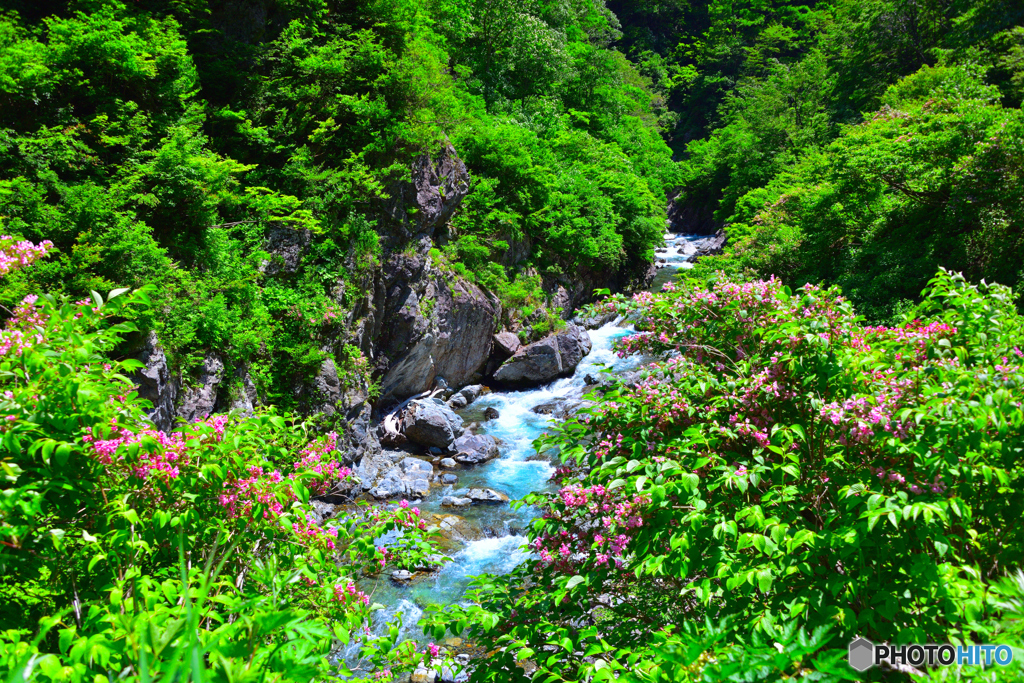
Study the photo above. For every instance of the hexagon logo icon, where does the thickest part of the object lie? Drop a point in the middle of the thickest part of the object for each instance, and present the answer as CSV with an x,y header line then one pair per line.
x,y
862,654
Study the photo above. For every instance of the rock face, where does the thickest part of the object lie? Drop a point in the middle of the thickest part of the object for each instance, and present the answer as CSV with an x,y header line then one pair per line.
x,y
430,422
691,215
434,326
547,359
199,400
714,245
240,395
286,246
475,449
156,383
438,184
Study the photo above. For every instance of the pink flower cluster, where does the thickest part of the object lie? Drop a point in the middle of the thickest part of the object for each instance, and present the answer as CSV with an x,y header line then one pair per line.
x,y
164,461
315,458
347,594
592,512
24,328
15,254
937,485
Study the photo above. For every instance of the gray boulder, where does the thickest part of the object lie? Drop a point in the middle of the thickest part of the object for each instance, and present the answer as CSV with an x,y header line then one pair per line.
x,y
390,485
401,575
449,479
448,464
542,361
434,325
455,502
465,396
429,423
473,449
506,344
712,245
486,496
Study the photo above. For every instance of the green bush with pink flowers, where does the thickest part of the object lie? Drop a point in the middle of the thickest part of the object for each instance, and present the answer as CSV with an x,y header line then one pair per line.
x,y
780,479
131,554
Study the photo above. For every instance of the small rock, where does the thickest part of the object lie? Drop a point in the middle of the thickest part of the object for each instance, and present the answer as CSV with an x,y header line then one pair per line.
x,y
448,464
462,659
456,502
401,575
423,675
491,413
432,562
448,479
548,408
458,402
486,496
472,392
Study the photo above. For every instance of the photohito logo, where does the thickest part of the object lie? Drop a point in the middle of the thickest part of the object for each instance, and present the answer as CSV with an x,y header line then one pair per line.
x,y
864,654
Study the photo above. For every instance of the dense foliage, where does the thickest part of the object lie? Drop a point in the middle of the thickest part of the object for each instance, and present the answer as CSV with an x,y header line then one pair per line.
x,y
863,143
158,142
787,479
131,554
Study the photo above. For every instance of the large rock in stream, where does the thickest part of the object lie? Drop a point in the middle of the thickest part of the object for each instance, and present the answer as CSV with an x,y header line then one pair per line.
x,y
430,422
474,449
545,360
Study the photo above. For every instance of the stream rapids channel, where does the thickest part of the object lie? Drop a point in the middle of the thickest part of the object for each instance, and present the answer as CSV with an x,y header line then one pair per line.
x,y
517,471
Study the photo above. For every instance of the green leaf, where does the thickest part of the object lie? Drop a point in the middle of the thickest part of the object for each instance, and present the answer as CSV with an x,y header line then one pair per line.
x,y
574,581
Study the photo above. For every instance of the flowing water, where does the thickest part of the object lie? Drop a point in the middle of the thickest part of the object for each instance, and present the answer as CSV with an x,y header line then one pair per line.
x,y
516,472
